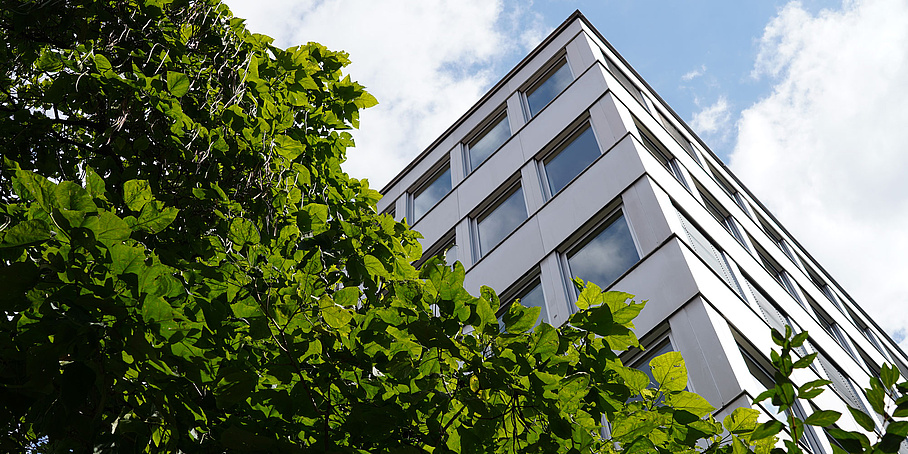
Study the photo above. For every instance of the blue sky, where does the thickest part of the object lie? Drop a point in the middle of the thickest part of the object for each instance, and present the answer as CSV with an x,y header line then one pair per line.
x,y
806,101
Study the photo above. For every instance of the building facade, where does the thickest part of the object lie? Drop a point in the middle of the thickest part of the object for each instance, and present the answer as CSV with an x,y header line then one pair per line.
x,y
573,166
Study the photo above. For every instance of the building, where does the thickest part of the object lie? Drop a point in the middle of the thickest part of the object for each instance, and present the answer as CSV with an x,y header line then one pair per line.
x,y
572,165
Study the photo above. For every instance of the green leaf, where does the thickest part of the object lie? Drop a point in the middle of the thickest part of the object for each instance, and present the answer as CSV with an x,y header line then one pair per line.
x,y
669,371
375,267
889,375
804,362
95,184
71,196
156,309
155,217
347,296
25,233
110,229
765,430
335,316
519,319
546,341
177,83
822,418
688,401
102,64
899,428
863,419
742,420
634,379
242,232
314,218
876,397
136,193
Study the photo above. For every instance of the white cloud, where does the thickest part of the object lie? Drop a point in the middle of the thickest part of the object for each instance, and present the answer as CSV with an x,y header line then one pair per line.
x,y
713,121
427,62
694,73
826,150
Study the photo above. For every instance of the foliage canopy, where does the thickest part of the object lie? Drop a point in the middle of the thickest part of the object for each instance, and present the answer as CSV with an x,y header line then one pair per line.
x,y
187,268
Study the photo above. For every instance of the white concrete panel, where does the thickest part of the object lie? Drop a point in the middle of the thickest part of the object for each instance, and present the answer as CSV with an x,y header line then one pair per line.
x,y
580,53
439,220
516,115
532,187
558,304
463,239
457,164
608,121
645,215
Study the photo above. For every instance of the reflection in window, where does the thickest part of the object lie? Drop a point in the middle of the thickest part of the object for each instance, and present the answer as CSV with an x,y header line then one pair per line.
x,y
570,160
431,193
496,224
607,255
480,148
539,95
662,155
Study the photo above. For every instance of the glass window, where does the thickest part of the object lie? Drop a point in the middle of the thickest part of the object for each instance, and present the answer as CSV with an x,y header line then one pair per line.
x,y
544,91
608,254
489,140
664,157
723,217
500,221
426,197
568,162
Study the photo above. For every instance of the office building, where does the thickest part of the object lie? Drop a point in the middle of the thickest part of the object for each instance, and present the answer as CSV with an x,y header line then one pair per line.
x,y
572,165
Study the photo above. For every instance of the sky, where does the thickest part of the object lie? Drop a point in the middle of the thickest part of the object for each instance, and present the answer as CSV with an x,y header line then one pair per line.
x,y
807,102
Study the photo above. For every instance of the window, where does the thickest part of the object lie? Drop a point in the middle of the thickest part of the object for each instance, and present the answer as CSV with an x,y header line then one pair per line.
x,y
779,274
547,87
728,188
487,141
605,254
530,294
662,155
713,256
500,220
777,238
570,158
722,216
431,192
625,82
832,328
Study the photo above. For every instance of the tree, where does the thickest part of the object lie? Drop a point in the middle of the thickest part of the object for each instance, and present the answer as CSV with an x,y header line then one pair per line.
x,y
187,268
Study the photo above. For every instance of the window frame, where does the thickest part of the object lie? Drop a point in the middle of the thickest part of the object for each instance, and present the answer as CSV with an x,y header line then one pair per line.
x,y
425,183
563,141
659,151
539,79
508,189
481,132
576,242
